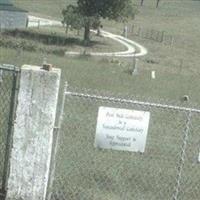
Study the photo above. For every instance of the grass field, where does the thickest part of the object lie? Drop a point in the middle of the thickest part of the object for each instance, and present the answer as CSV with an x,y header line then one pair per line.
x,y
103,75
176,67
44,7
53,40
86,173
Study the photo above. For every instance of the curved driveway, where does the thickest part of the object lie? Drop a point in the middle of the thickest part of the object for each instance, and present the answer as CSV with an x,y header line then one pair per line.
x,y
134,49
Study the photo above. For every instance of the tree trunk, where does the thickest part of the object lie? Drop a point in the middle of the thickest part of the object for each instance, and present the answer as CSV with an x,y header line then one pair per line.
x,y
142,2
87,33
157,4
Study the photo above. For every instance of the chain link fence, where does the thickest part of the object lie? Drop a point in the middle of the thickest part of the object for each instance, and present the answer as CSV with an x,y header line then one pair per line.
x,y
8,81
168,169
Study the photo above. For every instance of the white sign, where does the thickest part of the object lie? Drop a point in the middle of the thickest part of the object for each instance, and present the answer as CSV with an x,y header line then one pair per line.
x,y
122,129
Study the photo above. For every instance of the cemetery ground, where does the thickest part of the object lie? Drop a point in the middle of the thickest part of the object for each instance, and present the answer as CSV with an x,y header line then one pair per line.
x,y
177,74
177,66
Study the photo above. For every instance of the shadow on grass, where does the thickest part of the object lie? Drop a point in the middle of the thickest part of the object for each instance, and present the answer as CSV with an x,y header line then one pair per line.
x,y
50,38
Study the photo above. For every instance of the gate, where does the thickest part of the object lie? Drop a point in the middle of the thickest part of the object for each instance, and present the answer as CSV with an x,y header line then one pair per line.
x,y
169,169
8,91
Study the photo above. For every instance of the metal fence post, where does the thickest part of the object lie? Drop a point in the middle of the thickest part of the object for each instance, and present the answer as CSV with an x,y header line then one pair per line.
x,y
55,143
182,158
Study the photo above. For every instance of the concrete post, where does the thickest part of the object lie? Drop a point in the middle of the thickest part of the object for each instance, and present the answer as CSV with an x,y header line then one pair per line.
x,y
33,133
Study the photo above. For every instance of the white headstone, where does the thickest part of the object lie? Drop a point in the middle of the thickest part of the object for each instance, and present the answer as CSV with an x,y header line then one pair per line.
x,y
153,74
135,66
122,129
125,31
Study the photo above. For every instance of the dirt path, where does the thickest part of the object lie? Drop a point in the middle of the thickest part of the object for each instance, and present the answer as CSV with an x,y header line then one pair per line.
x,y
134,49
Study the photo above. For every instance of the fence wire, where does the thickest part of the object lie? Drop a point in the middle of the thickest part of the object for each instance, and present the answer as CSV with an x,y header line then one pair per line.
x,y
155,35
167,170
8,79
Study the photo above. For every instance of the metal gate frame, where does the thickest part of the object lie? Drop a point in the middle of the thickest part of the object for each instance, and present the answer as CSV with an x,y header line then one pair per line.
x,y
13,102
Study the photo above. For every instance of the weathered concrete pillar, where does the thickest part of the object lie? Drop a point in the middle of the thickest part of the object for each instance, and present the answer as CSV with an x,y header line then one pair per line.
x,y
33,133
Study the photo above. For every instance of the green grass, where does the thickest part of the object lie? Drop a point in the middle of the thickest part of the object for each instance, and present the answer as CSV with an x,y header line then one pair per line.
x,y
103,75
53,40
177,18
49,8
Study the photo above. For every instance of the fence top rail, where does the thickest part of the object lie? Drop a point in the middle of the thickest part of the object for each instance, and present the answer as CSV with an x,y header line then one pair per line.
x,y
142,103
8,67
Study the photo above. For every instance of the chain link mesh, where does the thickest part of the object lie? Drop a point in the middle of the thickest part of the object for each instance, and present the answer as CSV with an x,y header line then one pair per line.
x,y
190,179
7,81
168,169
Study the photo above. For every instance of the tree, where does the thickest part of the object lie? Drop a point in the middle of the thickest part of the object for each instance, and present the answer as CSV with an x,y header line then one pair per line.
x,y
91,12
72,18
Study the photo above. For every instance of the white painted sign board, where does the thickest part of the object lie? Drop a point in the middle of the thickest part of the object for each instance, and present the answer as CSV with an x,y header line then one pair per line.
x,y
122,129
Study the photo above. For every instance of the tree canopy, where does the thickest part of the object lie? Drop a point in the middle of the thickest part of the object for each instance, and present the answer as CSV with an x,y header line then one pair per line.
x,y
88,13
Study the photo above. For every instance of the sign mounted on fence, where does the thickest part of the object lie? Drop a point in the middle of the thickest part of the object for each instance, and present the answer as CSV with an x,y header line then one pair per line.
x,y
122,129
